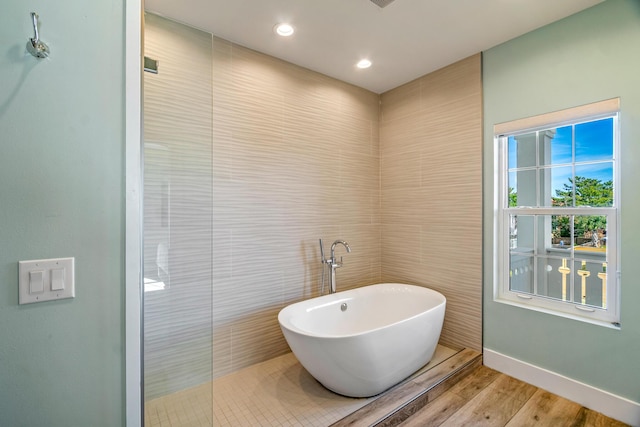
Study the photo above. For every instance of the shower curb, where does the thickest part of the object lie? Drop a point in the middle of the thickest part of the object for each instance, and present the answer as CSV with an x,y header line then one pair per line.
x,y
400,402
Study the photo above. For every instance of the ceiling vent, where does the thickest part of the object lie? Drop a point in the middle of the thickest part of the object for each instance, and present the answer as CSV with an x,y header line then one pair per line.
x,y
382,3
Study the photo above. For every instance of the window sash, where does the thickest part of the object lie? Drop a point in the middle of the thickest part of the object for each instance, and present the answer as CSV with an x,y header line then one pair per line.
x,y
502,291
545,303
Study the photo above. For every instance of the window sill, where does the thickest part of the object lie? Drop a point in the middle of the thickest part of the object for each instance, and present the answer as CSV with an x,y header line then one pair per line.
x,y
527,306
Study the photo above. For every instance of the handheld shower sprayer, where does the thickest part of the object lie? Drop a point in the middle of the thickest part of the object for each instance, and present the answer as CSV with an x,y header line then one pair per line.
x,y
324,261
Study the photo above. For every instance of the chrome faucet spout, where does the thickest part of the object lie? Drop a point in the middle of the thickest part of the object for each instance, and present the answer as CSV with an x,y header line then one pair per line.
x,y
339,242
334,263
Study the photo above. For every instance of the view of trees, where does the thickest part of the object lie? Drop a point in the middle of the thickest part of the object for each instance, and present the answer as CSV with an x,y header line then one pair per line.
x,y
513,198
588,192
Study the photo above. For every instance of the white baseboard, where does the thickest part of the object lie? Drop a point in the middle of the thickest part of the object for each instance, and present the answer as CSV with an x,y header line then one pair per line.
x,y
609,404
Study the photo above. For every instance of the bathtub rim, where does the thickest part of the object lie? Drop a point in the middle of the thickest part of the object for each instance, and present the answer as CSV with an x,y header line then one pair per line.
x,y
340,297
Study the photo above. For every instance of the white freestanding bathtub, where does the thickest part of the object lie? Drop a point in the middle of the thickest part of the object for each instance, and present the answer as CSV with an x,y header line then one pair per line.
x,y
362,341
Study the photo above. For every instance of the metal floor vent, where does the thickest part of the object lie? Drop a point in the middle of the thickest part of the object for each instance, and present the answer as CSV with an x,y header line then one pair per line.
x,y
382,3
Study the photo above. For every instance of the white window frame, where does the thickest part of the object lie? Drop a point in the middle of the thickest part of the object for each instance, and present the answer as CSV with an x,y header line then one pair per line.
x,y
609,316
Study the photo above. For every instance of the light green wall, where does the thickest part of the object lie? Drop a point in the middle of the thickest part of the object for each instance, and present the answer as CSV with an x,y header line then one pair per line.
x,y
61,195
591,56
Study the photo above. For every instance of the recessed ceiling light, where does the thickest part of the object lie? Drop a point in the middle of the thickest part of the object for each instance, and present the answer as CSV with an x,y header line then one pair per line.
x,y
284,30
363,63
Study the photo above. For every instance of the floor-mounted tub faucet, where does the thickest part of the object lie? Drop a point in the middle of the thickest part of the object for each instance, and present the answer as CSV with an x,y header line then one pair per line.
x,y
333,263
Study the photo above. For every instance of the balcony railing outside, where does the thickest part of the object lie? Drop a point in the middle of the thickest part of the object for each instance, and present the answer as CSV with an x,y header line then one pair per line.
x,y
581,280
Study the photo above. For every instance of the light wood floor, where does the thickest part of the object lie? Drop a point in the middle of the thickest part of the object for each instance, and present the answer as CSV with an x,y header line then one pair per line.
x,y
456,391
489,398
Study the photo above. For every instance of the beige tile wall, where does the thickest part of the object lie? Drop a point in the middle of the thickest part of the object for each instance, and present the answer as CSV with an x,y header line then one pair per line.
x,y
431,198
297,156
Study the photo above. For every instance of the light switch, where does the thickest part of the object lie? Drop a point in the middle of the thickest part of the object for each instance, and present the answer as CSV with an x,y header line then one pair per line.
x,y
45,280
57,279
36,282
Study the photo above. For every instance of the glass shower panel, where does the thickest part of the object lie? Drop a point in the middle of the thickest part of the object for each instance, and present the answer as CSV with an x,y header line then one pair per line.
x,y
178,206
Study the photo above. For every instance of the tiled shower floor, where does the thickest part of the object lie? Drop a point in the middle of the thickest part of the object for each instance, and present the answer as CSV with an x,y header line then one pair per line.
x,y
278,392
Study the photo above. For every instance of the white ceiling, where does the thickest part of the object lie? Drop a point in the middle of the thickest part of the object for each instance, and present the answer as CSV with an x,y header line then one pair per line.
x,y
404,40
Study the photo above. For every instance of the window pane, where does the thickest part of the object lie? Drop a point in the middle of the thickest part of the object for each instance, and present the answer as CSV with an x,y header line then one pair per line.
x,y
594,184
522,187
594,140
522,151
521,273
589,283
602,276
544,234
590,235
521,233
512,196
561,231
556,186
559,270
555,146
554,278
512,155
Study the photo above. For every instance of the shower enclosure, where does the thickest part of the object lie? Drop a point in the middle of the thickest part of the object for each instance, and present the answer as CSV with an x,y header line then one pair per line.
x,y
248,160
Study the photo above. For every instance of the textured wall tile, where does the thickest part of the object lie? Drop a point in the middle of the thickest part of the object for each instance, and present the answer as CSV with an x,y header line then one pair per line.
x,y
222,354
401,101
255,339
400,206
400,171
295,157
404,134
431,192
359,104
304,161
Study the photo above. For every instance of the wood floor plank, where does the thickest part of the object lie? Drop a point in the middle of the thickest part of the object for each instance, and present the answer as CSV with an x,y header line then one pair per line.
x,y
545,409
435,413
438,410
493,406
404,400
486,397
405,412
472,384
454,379
452,364
451,371
388,403
588,418
459,393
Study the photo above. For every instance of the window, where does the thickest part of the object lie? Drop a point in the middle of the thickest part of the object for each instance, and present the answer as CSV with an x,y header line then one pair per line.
x,y
557,219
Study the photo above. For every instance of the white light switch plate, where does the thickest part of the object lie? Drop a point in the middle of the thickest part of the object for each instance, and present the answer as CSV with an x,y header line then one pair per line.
x,y
57,280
